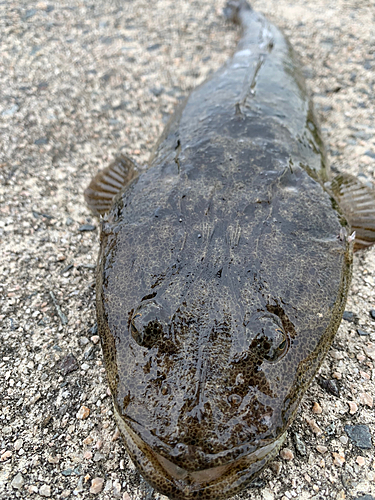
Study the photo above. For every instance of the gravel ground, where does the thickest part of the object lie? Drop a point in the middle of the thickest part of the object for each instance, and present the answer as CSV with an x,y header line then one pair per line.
x,y
80,81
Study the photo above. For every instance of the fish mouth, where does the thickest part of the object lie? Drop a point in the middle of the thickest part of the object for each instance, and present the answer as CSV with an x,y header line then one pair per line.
x,y
179,483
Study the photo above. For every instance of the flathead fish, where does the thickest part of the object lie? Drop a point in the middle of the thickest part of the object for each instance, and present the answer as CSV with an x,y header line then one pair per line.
x,y
223,271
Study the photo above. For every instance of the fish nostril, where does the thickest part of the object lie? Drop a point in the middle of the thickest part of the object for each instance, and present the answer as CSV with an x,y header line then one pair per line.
x,y
181,449
234,400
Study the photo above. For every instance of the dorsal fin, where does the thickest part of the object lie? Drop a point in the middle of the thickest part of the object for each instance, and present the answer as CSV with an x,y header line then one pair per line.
x,y
357,202
108,182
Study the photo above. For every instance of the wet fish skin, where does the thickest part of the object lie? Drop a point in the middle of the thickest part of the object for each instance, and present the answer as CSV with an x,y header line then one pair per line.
x,y
222,278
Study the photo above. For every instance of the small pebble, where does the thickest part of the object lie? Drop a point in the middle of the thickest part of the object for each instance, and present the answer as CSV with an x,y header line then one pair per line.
x,y
18,481
67,472
107,486
157,91
344,440
330,429
99,444
83,413
46,420
96,485
359,435
18,444
321,449
4,456
116,487
267,494
372,313
365,375
348,316
361,461
286,454
116,434
317,408
95,339
83,341
314,426
337,355
88,440
338,458
126,496
366,399
87,455
94,329
45,490
87,354
370,351
68,364
299,444
87,227
98,457
32,488
362,333
10,111
276,467
79,487
353,407
54,460
329,386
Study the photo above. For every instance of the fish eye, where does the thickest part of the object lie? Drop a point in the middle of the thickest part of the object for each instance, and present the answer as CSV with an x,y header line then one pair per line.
x,y
134,329
277,343
269,339
282,345
146,325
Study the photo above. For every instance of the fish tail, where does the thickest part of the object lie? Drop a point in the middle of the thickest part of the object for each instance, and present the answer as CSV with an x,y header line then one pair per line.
x,y
234,10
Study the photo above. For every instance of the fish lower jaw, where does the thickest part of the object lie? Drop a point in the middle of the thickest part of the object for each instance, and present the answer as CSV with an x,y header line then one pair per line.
x,y
222,481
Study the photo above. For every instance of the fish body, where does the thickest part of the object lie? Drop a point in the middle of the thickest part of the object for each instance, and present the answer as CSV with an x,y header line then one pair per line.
x,y
223,274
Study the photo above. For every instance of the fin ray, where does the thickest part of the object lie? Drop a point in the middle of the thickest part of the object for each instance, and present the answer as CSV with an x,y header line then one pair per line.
x,y
108,183
357,202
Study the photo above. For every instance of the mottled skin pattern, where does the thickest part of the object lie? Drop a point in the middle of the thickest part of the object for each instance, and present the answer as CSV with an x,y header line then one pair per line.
x,y
222,279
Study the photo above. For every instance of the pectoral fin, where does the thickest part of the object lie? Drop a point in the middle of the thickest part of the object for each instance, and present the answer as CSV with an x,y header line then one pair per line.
x,y
357,203
108,182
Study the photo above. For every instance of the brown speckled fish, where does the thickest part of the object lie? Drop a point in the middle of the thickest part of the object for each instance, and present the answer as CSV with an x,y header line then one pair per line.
x,y
223,272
